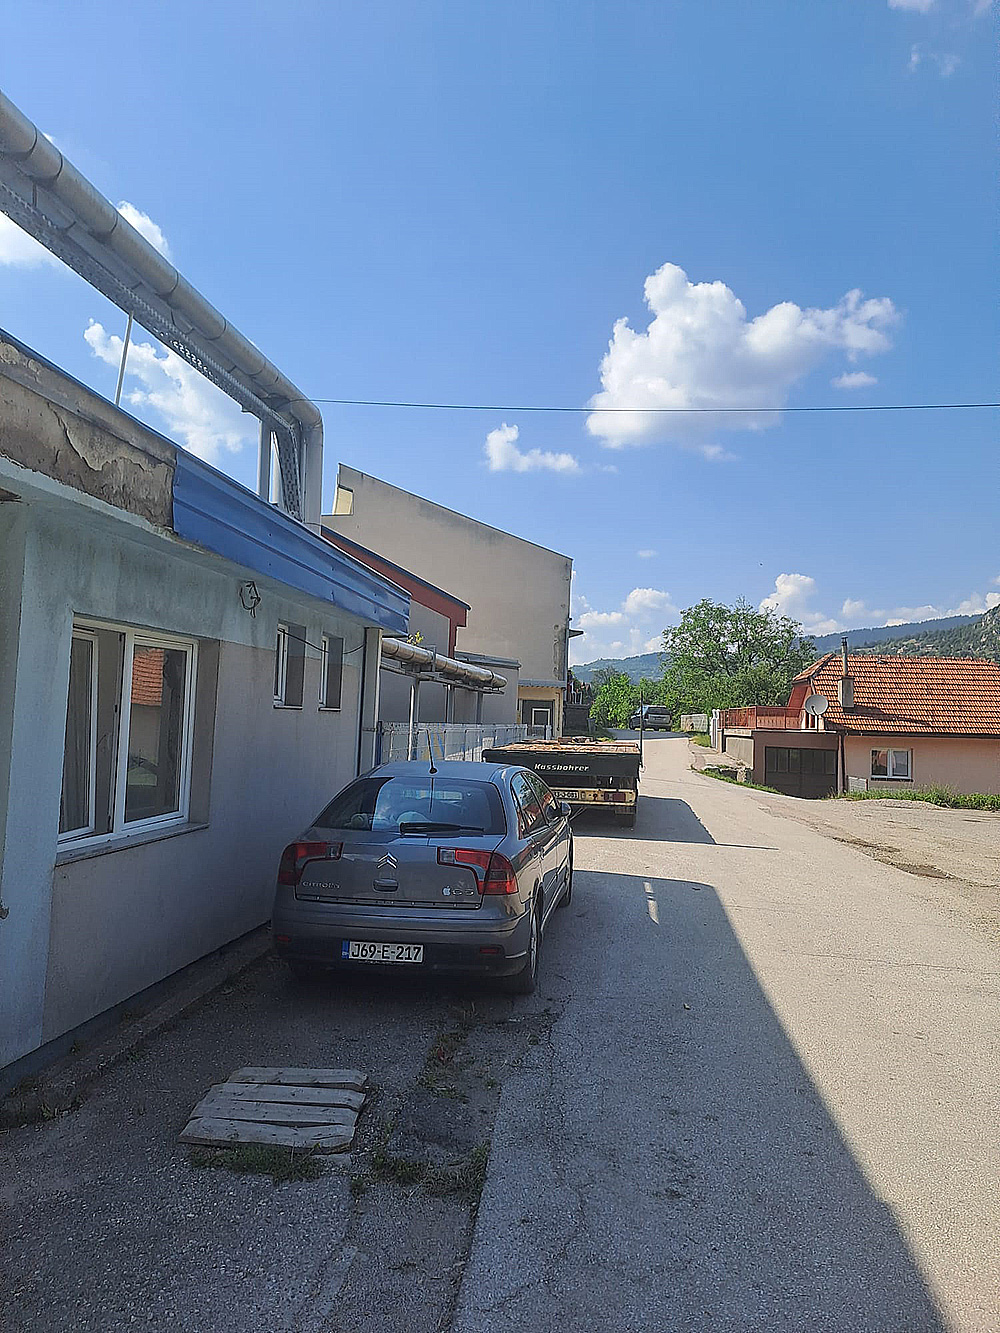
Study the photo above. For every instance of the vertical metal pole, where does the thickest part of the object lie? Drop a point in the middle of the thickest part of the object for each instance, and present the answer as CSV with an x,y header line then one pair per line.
x,y
121,368
264,463
479,708
414,716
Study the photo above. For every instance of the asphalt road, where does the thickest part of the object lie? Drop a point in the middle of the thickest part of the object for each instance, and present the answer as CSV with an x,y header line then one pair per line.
x,y
770,1100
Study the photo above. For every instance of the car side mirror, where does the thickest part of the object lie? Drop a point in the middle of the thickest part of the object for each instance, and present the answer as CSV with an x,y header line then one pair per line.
x,y
565,809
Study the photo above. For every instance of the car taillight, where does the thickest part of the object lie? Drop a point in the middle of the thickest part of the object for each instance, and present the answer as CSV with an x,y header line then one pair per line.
x,y
296,854
498,876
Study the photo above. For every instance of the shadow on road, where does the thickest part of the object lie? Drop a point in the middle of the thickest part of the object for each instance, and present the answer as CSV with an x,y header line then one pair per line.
x,y
715,1191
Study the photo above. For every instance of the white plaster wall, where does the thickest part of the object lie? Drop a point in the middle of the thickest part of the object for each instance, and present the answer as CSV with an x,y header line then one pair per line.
x,y
90,933
518,592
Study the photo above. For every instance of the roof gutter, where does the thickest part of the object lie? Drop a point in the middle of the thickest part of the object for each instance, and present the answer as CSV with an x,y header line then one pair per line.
x,y
411,656
46,195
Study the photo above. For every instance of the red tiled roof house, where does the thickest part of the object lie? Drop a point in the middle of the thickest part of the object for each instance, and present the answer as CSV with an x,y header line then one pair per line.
x,y
888,722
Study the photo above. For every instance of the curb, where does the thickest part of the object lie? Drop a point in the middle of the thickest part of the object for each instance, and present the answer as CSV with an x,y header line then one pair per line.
x,y
60,1087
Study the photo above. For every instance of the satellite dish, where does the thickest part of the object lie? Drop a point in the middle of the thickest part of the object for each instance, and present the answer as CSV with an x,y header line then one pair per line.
x,y
816,705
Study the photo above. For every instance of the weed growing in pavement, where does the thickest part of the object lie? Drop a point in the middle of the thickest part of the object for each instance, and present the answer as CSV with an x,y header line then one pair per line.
x,y
701,738
727,775
936,795
258,1159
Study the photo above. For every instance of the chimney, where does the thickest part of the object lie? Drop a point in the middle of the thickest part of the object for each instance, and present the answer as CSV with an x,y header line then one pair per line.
x,y
845,686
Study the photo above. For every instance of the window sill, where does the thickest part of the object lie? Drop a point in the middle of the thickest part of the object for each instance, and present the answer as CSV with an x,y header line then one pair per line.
x,y
288,708
330,708
83,851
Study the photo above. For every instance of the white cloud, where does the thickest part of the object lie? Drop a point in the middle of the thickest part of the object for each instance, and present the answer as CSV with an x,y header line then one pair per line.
x,y
700,351
145,226
792,596
917,6
503,455
18,249
946,62
855,379
647,554
996,580
195,412
624,631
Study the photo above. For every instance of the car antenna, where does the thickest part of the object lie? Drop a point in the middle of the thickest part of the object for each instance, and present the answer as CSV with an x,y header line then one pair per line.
x,y
430,754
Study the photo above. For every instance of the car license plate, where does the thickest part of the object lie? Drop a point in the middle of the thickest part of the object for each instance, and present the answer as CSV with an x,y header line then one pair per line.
x,y
365,951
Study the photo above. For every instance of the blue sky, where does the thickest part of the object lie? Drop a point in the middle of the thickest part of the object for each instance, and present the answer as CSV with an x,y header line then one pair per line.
x,y
621,204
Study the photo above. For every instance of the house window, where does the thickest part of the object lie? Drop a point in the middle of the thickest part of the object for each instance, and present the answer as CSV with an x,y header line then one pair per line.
x,y
331,671
289,665
892,764
343,501
129,714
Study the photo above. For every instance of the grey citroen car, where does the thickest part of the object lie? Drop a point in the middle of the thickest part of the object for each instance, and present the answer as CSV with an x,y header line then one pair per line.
x,y
456,869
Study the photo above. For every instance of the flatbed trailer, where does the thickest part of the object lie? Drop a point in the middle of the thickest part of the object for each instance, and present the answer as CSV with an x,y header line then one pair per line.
x,y
588,774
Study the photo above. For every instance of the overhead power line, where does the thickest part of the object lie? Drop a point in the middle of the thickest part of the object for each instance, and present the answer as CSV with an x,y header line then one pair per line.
x,y
678,411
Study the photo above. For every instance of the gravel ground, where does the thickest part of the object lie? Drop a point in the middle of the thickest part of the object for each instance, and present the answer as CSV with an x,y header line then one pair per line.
x,y
105,1225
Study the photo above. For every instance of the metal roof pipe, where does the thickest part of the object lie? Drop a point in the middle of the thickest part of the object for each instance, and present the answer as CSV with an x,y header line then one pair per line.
x,y
46,195
425,659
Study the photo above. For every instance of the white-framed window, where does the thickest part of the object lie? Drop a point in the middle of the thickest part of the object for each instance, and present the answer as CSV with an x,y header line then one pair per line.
x,y
129,732
289,664
331,673
280,664
891,763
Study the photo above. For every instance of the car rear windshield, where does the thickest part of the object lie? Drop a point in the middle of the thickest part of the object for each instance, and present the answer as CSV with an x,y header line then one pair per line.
x,y
386,804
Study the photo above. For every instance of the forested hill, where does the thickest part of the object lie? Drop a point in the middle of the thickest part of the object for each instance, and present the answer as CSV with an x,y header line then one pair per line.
x,y
646,665
978,638
879,634
951,636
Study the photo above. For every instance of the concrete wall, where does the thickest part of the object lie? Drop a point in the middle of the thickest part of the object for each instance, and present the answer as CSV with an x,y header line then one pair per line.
x,y
518,592
966,764
89,929
739,747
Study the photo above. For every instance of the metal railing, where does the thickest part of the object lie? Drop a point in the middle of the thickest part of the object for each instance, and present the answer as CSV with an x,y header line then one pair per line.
x,y
760,719
443,740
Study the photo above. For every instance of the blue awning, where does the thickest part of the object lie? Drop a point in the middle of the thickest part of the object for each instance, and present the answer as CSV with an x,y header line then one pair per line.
x,y
215,512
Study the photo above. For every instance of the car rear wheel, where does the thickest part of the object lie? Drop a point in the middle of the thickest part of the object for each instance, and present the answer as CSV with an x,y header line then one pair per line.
x,y
524,982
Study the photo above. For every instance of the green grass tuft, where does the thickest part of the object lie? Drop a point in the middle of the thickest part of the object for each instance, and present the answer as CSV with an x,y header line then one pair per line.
x,y
702,738
935,795
258,1159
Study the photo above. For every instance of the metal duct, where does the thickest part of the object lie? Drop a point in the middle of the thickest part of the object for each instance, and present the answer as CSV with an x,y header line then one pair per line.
x,y
424,659
45,194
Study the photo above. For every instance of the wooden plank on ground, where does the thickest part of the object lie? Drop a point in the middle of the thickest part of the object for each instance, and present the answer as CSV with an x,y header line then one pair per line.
x,y
274,1113
303,1078
220,1133
279,1092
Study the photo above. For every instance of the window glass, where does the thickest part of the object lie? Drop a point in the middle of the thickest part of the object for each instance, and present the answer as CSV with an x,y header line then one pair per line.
x,y
794,760
548,802
155,732
332,671
900,763
880,763
384,804
529,804
76,805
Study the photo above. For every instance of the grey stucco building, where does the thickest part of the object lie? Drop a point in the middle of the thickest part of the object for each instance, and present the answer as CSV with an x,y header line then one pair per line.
x,y
186,675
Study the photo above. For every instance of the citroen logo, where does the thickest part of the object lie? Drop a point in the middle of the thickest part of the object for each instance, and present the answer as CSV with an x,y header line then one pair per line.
x,y
388,862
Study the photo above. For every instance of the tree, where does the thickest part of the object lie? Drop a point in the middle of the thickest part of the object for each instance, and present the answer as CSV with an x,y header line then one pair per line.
x,y
615,699
732,656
